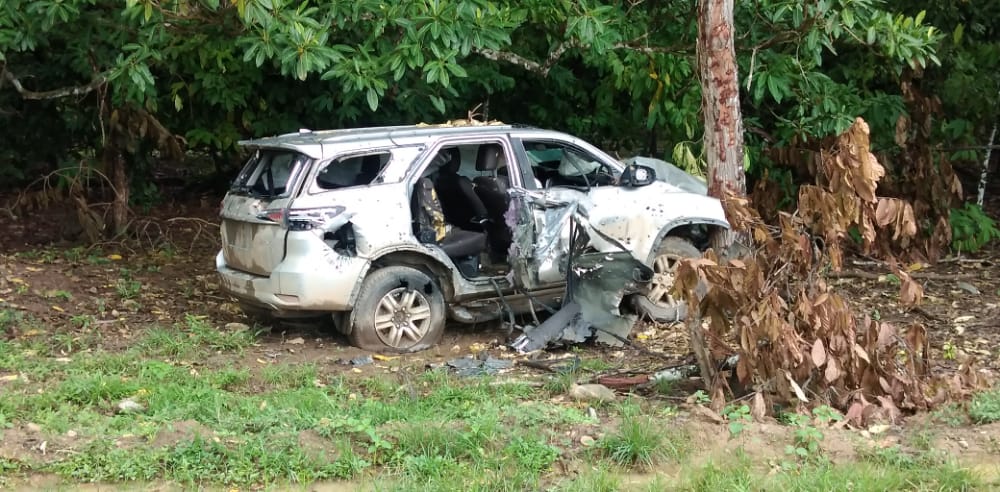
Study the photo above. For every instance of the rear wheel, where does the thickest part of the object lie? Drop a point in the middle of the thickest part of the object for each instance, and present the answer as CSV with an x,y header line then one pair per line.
x,y
399,309
659,304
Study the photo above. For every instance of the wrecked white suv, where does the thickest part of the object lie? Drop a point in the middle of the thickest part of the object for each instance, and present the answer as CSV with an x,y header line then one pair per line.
x,y
394,230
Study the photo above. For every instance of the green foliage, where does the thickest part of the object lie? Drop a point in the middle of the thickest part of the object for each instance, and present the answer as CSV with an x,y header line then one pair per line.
x,y
971,228
640,442
216,72
985,407
806,438
128,289
738,417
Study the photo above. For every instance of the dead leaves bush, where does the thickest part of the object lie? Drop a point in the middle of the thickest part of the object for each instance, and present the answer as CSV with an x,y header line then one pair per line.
x,y
798,340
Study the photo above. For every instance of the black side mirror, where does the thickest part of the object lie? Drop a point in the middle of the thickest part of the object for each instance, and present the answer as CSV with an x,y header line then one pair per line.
x,y
637,175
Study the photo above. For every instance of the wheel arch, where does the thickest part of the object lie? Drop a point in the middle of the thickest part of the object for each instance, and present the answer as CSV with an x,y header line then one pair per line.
x,y
696,230
419,260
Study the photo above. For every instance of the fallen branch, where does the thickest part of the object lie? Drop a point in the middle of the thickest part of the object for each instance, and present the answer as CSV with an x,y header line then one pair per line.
x,y
880,276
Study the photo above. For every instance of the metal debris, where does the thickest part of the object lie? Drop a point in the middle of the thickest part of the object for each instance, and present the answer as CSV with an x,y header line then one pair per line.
x,y
470,366
363,360
596,284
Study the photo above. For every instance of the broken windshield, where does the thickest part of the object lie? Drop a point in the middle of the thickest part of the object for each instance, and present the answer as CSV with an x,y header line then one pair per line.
x,y
270,173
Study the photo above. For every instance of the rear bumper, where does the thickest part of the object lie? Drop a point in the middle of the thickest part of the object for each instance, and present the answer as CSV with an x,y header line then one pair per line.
x,y
296,284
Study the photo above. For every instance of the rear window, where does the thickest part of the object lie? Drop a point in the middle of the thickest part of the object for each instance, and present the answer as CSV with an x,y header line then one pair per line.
x,y
270,173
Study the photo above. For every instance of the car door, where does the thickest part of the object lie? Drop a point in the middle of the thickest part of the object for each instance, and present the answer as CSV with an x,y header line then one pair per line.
x,y
542,220
254,212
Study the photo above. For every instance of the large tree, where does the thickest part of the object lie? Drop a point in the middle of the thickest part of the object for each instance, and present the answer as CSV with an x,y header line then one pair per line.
x,y
720,104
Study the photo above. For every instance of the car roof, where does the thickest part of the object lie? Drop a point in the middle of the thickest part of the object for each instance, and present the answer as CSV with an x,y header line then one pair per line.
x,y
320,144
308,138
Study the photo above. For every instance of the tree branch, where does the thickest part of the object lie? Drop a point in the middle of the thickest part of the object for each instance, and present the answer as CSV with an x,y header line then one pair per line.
x,y
529,65
98,81
544,67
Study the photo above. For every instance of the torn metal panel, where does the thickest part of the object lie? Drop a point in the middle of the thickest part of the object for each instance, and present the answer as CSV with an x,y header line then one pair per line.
x,y
596,284
602,281
553,328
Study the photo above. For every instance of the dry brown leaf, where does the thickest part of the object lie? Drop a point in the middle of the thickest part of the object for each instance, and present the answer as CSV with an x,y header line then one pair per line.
x,y
758,408
911,293
860,351
818,353
855,414
886,335
886,211
832,372
796,388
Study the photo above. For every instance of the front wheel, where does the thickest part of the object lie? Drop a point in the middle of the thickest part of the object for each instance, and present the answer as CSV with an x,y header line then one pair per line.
x,y
659,304
399,309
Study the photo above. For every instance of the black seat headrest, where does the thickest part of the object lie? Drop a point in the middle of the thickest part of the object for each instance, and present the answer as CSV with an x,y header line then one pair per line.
x,y
489,157
454,160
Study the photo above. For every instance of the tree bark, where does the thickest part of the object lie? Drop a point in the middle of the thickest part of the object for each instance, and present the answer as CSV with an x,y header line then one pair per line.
x,y
985,172
720,105
114,163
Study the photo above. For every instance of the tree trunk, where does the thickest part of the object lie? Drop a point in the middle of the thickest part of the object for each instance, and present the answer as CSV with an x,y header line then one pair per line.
x,y
115,163
985,172
720,106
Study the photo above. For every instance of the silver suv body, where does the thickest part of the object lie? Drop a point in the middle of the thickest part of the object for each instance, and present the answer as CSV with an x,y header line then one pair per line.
x,y
394,229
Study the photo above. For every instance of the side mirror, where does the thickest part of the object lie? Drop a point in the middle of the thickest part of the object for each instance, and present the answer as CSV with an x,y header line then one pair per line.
x,y
637,175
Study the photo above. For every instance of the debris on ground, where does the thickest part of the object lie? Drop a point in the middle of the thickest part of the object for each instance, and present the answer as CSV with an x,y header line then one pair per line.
x,y
591,393
359,361
472,366
129,405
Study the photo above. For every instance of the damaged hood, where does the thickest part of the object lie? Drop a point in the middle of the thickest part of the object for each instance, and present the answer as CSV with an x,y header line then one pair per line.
x,y
674,176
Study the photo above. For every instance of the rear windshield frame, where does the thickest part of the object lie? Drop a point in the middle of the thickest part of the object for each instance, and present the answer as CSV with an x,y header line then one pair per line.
x,y
260,161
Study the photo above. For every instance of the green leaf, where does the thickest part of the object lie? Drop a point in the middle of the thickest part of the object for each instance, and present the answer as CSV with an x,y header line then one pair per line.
x,y
457,70
372,98
438,103
775,89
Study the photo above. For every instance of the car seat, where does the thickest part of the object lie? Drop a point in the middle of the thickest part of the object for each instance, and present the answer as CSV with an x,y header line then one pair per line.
x,y
429,226
492,190
459,201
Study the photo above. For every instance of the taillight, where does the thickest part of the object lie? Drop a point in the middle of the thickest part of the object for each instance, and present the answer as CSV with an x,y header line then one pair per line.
x,y
274,215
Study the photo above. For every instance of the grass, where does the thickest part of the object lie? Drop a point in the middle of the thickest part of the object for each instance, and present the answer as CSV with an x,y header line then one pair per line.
x,y
889,469
985,407
299,423
445,429
642,442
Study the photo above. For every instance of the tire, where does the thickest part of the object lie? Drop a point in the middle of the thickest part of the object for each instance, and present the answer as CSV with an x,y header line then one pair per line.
x,y
399,309
658,304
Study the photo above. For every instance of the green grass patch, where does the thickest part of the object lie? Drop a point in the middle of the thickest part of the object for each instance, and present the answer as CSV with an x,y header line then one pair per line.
x,y
193,338
641,442
253,461
600,478
888,469
985,407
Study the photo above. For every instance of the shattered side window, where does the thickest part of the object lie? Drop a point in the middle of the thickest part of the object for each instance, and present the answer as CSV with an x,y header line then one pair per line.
x,y
557,164
356,170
